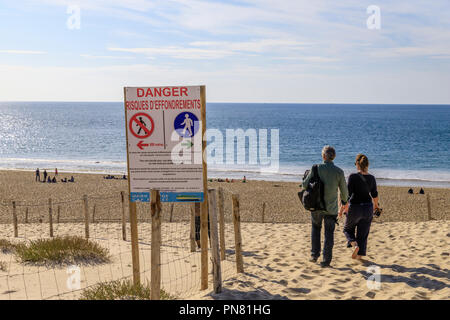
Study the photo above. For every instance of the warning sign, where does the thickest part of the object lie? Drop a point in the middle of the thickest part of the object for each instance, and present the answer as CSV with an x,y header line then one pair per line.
x,y
164,143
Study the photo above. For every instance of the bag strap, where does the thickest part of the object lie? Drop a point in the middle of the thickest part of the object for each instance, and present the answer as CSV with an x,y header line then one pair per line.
x,y
315,171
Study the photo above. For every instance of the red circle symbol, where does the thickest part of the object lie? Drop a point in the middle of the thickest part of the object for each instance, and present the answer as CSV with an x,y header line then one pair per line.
x,y
138,123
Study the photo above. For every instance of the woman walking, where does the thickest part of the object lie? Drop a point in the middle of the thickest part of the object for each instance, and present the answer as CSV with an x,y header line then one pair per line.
x,y
363,199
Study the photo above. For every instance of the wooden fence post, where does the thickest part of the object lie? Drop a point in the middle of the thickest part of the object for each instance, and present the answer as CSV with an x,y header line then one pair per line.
x,y
58,214
215,255
124,217
86,216
155,283
237,234
171,212
26,215
16,230
50,217
221,224
429,207
192,233
93,213
263,212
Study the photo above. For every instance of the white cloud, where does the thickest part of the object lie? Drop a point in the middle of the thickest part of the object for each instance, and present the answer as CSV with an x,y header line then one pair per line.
x,y
261,45
22,52
177,52
90,56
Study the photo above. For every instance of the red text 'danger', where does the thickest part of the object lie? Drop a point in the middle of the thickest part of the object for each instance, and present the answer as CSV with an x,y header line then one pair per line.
x,y
163,92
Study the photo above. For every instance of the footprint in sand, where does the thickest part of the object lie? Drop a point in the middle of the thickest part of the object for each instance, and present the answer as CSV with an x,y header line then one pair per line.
x,y
304,276
337,291
370,294
283,282
297,290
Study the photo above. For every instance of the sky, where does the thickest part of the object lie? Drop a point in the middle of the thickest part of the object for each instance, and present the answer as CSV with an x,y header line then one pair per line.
x,y
284,51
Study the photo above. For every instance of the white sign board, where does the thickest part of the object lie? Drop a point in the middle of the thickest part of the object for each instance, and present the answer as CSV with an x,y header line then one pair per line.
x,y
164,143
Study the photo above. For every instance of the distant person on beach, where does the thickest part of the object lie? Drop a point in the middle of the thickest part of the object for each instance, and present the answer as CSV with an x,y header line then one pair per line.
x,y
411,191
56,172
244,180
49,180
38,175
45,175
54,180
333,180
71,179
421,191
362,189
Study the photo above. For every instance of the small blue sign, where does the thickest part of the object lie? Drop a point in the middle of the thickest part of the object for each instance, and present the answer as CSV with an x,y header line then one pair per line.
x,y
169,197
140,197
185,124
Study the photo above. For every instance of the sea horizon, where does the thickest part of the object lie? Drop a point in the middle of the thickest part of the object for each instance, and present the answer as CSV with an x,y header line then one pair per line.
x,y
90,138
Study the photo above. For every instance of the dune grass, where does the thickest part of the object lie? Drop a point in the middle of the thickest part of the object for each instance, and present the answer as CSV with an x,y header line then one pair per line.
x,y
62,250
120,290
7,246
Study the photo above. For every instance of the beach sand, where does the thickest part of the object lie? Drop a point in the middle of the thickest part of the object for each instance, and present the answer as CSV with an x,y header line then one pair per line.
x,y
411,252
412,259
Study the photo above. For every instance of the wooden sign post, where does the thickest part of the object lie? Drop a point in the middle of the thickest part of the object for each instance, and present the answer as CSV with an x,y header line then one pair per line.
x,y
217,272
204,205
155,289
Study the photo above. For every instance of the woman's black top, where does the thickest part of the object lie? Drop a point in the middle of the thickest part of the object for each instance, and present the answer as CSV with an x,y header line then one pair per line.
x,y
360,191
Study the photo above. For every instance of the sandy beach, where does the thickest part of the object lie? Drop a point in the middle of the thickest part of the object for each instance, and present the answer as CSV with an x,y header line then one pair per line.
x,y
411,252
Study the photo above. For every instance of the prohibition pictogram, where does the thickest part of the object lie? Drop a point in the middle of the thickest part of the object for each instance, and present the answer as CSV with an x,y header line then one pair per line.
x,y
141,122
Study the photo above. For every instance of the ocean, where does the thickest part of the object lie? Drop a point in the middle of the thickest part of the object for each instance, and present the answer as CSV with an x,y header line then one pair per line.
x,y
407,145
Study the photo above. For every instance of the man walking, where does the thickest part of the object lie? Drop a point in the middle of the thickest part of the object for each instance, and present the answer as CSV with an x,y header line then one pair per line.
x,y
38,176
333,179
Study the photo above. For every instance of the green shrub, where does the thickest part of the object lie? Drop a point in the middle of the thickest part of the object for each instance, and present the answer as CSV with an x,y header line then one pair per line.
x,y
62,250
120,290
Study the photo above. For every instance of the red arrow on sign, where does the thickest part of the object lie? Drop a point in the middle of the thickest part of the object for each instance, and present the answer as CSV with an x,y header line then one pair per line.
x,y
141,145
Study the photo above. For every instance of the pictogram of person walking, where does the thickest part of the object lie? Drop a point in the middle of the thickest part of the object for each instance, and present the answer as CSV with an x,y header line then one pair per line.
x,y
140,127
188,123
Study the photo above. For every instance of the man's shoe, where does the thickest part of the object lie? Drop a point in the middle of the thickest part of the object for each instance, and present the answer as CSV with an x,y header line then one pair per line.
x,y
324,264
313,259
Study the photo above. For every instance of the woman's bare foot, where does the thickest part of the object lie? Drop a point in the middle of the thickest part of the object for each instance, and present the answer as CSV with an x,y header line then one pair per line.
x,y
355,250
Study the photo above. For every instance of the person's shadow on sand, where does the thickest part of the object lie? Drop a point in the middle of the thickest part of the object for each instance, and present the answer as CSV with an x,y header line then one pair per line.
x,y
256,294
417,278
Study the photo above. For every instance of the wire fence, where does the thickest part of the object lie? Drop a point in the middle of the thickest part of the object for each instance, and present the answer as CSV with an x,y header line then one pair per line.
x,y
24,222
